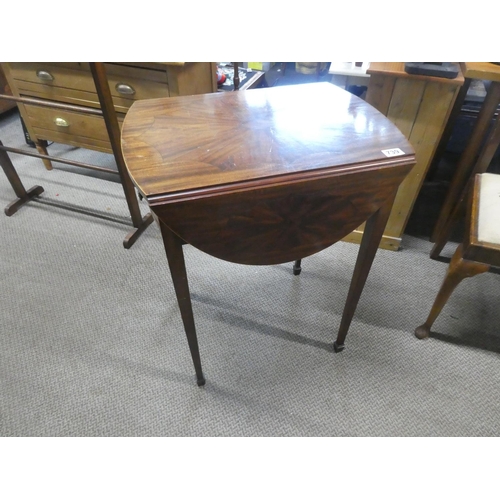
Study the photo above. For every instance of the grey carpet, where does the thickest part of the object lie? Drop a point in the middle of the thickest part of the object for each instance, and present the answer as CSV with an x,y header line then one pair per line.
x,y
91,341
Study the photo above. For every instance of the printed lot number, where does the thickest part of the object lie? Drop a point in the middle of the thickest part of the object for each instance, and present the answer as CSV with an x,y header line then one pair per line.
x,y
393,152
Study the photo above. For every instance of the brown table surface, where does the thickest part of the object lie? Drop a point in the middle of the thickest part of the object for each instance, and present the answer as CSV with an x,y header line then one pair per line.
x,y
265,176
194,142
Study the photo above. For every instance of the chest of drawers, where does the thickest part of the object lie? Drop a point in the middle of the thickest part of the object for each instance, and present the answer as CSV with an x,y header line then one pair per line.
x,y
72,83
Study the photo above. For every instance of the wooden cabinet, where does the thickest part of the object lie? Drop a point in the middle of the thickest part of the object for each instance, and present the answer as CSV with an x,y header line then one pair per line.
x,y
420,107
72,83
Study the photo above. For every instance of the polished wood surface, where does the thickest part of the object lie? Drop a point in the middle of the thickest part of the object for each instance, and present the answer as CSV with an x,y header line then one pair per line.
x,y
265,176
233,144
223,139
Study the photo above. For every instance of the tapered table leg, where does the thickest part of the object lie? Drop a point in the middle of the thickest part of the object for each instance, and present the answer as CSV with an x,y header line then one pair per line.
x,y
23,196
297,267
175,257
372,235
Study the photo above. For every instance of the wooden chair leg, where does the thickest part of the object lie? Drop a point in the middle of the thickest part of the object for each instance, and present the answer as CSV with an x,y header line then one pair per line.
x,y
448,226
458,270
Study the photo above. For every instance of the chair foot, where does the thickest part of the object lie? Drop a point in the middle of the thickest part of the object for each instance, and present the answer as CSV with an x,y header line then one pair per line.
x,y
422,332
338,347
201,381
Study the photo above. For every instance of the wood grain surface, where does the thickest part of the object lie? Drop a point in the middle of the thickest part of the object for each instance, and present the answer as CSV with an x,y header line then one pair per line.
x,y
265,176
190,143
482,71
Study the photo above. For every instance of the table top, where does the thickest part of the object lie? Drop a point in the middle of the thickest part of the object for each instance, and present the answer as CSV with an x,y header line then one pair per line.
x,y
397,69
482,71
179,145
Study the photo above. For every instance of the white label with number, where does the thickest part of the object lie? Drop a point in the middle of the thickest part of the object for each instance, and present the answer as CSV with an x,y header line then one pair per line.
x,y
393,152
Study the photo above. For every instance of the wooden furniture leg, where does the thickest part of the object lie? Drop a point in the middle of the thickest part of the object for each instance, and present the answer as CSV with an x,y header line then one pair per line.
x,y
457,214
23,196
236,76
297,267
458,269
372,235
109,115
41,147
468,157
175,256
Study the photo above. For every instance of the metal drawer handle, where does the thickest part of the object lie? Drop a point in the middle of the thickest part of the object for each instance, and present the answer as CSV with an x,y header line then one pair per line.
x,y
45,76
124,89
61,122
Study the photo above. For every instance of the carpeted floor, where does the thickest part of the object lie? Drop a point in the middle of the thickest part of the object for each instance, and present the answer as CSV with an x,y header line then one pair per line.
x,y
91,341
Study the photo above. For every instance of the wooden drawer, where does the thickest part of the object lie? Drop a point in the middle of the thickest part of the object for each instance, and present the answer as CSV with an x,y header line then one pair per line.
x,y
73,83
68,127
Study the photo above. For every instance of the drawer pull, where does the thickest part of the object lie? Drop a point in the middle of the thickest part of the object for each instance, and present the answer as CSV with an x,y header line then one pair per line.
x,y
124,89
45,76
61,122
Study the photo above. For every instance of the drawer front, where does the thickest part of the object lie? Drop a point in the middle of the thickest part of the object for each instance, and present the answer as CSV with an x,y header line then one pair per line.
x,y
73,83
68,127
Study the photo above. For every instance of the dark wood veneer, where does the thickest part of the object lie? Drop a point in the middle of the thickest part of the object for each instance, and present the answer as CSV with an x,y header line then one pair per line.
x,y
265,176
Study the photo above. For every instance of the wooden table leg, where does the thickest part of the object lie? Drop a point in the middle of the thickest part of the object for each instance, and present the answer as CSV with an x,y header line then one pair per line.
x,y
297,268
372,235
23,196
468,157
175,256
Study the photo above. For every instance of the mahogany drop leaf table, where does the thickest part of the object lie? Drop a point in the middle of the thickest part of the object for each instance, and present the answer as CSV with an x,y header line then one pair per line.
x,y
265,176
